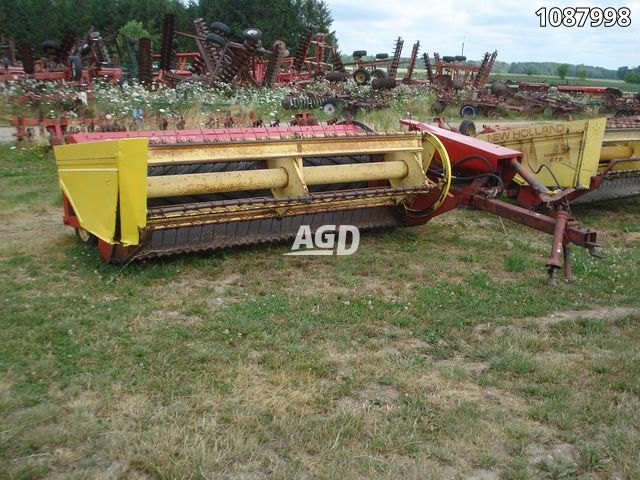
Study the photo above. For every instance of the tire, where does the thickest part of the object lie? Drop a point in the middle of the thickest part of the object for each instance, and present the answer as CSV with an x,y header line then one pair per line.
x,y
51,45
460,58
330,106
382,56
377,73
361,76
468,128
86,237
84,50
76,67
437,107
220,28
252,35
448,59
216,40
359,53
468,111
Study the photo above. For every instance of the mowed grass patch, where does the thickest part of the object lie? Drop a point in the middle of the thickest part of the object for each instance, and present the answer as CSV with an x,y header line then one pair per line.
x,y
432,352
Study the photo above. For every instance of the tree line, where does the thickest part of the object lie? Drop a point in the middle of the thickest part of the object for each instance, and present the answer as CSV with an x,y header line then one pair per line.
x,y
34,21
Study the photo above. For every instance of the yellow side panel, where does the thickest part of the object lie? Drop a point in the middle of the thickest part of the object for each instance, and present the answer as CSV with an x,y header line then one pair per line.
x,y
132,178
103,180
560,154
94,197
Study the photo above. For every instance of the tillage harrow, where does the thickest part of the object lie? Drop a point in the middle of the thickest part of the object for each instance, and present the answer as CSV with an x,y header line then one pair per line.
x,y
149,194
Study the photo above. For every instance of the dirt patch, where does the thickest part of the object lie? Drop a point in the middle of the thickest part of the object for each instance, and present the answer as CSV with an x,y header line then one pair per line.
x,y
459,362
374,395
410,345
481,474
563,454
602,313
32,229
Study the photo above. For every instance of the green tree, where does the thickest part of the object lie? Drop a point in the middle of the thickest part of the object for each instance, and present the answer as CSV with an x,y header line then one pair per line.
x,y
632,77
563,70
582,74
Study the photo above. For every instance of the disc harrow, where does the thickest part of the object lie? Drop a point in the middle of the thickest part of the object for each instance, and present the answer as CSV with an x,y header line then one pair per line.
x,y
275,61
395,60
427,66
302,51
145,61
411,64
167,52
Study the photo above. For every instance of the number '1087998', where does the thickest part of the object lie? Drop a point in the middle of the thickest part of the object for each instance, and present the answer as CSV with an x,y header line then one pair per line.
x,y
584,16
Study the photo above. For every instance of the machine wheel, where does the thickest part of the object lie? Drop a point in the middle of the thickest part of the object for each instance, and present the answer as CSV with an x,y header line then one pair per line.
x,y
468,111
216,40
377,73
86,237
84,50
361,76
220,28
437,166
252,35
76,67
468,128
460,58
54,45
382,56
359,53
448,59
330,106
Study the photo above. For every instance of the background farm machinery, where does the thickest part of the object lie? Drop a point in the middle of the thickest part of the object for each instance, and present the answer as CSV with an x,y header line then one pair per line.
x,y
78,60
383,69
245,62
451,73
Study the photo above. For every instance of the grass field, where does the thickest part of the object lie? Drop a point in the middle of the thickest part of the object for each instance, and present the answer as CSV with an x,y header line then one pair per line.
x,y
434,352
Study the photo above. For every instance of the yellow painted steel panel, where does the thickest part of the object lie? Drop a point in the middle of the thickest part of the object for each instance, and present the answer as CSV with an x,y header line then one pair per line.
x,y
88,176
354,172
103,180
202,183
267,149
132,179
561,154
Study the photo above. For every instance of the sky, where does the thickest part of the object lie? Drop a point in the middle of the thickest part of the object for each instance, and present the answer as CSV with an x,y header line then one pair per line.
x,y
509,26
